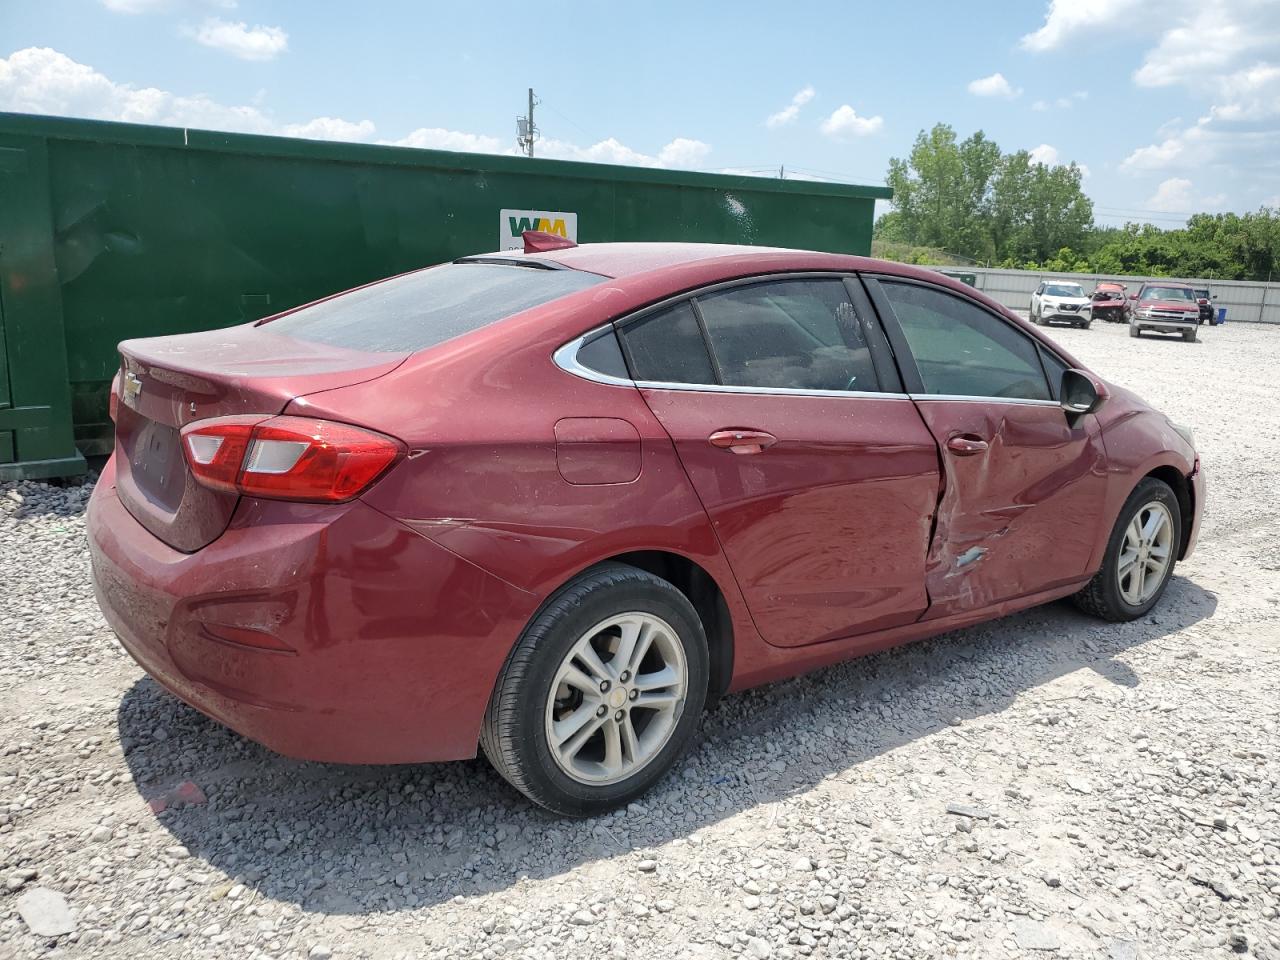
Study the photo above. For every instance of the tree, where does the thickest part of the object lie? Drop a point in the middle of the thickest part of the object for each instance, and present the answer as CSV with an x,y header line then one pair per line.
x,y
941,191
967,198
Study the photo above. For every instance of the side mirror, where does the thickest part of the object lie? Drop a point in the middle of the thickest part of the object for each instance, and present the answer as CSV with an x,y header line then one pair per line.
x,y
1133,296
1080,393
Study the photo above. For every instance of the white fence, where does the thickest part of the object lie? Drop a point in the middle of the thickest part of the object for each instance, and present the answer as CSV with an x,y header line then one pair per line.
x,y
1244,301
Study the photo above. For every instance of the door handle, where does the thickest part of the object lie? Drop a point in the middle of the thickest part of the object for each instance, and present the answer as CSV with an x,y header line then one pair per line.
x,y
967,446
742,441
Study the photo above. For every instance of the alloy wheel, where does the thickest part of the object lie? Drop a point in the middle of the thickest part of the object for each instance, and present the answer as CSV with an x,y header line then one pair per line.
x,y
616,698
1146,553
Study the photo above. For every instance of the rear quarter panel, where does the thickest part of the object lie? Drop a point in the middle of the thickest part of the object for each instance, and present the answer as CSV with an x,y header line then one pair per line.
x,y
486,479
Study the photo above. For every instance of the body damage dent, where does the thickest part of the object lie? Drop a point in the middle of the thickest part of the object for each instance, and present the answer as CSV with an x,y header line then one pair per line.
x,y
967,540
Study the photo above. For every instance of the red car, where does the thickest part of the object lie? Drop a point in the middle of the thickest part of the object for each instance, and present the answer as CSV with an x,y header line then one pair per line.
x,y
548,505
1109,302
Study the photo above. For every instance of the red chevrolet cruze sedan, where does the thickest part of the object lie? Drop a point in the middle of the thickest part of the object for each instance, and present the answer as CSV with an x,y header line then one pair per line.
x,y
549,504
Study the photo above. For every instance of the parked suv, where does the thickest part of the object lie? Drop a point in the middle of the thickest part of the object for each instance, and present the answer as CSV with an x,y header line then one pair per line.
x,y
1167,308
1060,301
1205,299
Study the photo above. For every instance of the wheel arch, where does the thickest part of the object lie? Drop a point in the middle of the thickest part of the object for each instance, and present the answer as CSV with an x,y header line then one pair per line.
x,y
1182,489
708,599
698,585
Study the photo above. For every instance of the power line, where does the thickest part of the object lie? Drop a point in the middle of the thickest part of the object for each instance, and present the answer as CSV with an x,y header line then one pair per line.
x,y
587,133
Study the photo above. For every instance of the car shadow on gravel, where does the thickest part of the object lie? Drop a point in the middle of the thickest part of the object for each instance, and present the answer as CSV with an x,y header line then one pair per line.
x,y
361,840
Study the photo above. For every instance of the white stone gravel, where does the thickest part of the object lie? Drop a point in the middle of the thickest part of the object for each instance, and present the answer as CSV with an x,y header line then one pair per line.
x,y
1046,785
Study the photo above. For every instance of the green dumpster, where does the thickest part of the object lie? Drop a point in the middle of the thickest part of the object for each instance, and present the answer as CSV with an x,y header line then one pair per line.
x,y
110,231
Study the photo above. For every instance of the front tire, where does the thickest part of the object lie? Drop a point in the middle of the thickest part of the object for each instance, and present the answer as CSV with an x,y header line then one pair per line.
x,y
1140,556
602,693
1189,336
1134,331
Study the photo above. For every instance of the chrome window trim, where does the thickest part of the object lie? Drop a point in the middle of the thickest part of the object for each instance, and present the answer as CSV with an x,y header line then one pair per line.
x,y
722,285
962,398
566,358
767,391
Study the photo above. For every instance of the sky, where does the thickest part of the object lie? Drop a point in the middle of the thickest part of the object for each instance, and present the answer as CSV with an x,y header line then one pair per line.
x,y
1170,107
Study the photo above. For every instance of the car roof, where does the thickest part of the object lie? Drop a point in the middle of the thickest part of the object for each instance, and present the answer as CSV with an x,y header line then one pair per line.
x,y
669,268
617,260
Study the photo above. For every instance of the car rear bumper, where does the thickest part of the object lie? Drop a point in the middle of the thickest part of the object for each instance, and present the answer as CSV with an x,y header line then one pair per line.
x,y
323,632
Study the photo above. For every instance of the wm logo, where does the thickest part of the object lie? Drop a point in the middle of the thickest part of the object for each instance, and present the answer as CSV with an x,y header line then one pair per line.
x,y
520,224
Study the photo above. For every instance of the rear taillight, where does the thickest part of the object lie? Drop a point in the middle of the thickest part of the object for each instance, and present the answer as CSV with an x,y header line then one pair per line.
x,y
287,458
113,401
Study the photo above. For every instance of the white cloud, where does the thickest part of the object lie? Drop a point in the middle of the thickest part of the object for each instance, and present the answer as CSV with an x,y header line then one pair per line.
x,y
436,138
993,86
1225,54
1061,103
681,152
1177,195
330,128
42,80
1045,154
845,122
1155,156
134,6
1068,18
1049,155
240,40
789,113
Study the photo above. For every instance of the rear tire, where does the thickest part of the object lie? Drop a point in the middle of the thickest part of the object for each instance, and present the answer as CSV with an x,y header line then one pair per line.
x,y
542,702
1119,591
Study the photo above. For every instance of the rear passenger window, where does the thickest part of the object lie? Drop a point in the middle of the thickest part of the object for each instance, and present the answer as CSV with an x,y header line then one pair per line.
x,y
962,350
603,355
796,334
668,347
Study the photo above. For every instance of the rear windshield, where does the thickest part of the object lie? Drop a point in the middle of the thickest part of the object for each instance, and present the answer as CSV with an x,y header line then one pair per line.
x,y
422,309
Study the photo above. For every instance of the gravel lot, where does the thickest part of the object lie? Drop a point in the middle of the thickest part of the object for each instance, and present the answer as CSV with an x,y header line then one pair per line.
x,y
1043,785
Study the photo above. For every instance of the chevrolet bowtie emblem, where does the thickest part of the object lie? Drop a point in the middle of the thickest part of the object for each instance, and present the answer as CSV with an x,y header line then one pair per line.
x,y
131,386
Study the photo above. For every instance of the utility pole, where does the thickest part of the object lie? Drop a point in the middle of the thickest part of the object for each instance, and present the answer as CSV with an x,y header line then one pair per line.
x,y
526,132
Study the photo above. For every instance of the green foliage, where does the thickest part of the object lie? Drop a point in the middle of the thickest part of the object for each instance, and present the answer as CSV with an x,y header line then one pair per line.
x,y
969,198
964,199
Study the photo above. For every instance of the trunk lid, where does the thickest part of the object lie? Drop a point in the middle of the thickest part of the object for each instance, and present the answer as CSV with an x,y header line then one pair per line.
x,y
167,382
